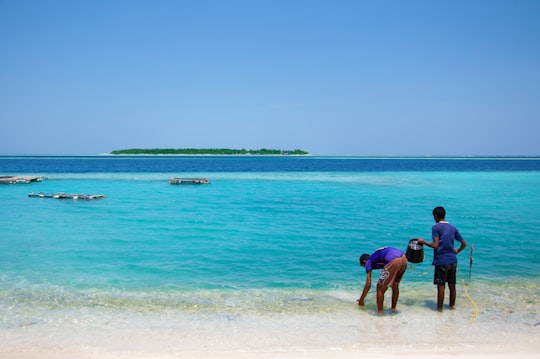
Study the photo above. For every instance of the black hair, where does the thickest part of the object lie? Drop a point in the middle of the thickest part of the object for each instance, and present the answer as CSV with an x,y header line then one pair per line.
x,y
439,212
363,258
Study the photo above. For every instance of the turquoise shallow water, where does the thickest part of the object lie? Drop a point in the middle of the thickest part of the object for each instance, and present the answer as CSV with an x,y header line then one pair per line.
x,y
259,230
263,242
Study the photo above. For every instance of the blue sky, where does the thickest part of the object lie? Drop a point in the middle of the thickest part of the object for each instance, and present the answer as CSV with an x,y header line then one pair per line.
x,y
329,77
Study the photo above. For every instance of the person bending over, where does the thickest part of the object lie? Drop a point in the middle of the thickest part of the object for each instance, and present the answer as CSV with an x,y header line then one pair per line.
x,y
393,264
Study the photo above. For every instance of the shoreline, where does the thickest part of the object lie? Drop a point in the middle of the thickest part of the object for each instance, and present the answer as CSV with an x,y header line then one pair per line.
x,y
415,331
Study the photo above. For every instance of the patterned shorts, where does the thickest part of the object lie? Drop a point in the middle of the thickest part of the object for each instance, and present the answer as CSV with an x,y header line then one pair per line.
x,y
393,272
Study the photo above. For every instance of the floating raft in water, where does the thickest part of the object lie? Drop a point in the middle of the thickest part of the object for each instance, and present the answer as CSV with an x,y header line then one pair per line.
x,y
180,180
62,195
20,179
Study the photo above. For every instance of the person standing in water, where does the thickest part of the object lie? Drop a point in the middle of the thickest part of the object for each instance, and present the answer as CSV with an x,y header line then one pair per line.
x,y
444,255
393,264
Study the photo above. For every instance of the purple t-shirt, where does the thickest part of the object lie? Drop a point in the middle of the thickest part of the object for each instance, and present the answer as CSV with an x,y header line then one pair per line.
x,y
381,257
447,233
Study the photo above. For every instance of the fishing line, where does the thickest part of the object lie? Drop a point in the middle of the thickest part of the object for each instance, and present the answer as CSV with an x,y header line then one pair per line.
x,y
412,268
465,286
472,301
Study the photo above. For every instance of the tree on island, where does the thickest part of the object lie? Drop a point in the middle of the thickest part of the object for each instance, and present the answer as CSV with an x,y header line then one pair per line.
x,y
205,151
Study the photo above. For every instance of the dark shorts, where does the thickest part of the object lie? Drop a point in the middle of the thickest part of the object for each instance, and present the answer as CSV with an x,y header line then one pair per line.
x,y
445,274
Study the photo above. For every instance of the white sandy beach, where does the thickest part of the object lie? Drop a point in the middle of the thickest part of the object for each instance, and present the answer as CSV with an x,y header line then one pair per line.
x,y
30,354
352,333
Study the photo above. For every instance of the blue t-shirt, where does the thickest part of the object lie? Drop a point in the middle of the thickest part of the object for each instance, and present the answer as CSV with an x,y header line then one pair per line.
x,y
381,257
447,233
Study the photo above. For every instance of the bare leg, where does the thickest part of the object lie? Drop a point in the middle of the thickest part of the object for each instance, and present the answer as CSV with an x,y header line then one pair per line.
x,y
395,296
452,288
440,297
380,298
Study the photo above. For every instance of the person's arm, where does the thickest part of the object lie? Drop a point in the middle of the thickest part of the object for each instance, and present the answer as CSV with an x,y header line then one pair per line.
x,y
461,247
434,244
367,286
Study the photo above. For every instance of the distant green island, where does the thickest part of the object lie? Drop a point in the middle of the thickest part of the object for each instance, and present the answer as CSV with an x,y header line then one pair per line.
x,y
206,151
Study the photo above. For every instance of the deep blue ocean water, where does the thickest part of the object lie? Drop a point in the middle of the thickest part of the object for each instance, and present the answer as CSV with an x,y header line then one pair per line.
x,y
211,164
282,226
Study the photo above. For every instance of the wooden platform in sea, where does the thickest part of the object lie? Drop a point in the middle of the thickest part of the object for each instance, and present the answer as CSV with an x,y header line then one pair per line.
x,y
62,195
20,179
181,180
